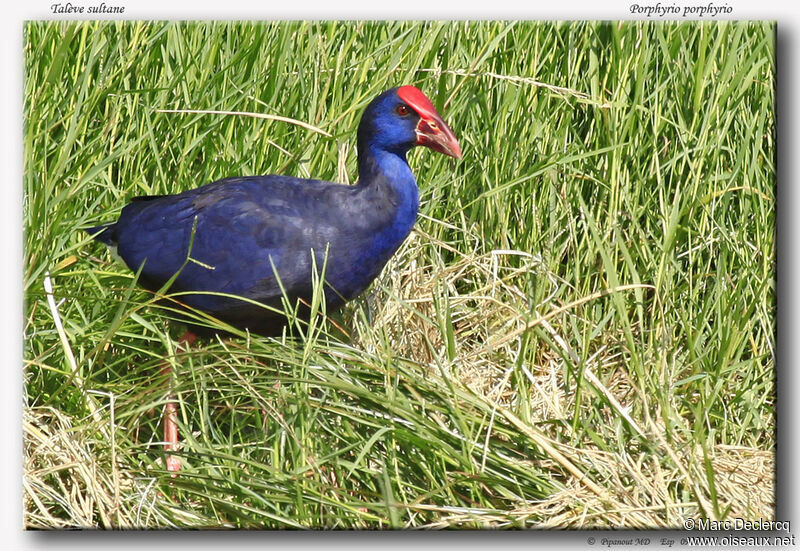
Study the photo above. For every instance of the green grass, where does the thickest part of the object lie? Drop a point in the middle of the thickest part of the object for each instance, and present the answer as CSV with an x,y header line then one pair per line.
x,y
579,332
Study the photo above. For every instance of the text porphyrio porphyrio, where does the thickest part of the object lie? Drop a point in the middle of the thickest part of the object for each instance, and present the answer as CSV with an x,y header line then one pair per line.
x,y
254,236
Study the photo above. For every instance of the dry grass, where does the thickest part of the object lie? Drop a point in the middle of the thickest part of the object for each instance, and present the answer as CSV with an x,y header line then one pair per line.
x,y
72,480
639,491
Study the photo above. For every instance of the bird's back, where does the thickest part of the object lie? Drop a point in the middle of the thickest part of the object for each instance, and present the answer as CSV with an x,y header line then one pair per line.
x,y
226,237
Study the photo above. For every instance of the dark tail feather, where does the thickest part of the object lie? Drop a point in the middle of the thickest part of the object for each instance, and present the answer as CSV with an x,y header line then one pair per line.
x,y
104,233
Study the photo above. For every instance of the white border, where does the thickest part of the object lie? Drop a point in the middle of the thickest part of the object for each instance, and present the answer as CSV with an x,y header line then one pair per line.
x,y
11,20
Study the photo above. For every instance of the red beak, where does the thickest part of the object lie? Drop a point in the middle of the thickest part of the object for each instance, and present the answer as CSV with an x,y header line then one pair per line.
x,y
431,129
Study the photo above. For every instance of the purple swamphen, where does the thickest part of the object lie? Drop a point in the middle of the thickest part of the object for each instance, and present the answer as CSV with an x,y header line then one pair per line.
x,y
239,229
254,236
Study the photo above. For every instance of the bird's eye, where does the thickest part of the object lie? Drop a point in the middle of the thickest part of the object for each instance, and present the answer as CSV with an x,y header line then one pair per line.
x,y
402,110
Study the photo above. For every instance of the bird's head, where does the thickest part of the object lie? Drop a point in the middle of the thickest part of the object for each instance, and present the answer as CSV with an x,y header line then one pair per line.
x,y
402,118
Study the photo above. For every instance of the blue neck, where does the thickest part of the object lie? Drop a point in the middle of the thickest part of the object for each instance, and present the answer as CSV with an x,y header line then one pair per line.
x,y
390,188
390,176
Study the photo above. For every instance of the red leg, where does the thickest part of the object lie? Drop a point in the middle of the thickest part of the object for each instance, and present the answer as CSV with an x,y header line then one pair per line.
x,y
171,410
